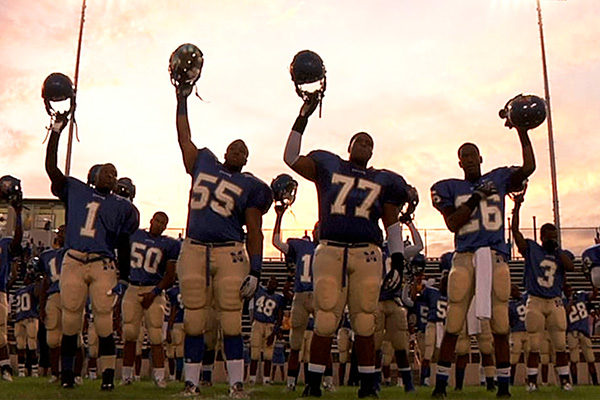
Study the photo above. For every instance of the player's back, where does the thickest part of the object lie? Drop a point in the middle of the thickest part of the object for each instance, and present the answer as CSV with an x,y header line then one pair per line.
x,y
544,272
302,252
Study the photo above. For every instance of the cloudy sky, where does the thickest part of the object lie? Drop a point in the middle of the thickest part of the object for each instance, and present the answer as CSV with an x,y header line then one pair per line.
x,y
421,76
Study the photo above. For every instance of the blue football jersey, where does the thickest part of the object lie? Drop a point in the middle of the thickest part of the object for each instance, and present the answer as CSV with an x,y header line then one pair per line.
x,y
446,261
436,304
516,313
219,200
421,312
51,264
351,198
25,304
174,296
149,256
301,252
544,273
486,226
578,317
266,306
95,220
591,257
5,262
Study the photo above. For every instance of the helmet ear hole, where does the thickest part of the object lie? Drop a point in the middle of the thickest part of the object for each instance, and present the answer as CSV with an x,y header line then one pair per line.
x,y
284,189
185,64
525,111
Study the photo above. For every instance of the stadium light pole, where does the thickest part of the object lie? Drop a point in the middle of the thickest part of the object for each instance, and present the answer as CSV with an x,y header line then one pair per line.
x,y
72,122
555,206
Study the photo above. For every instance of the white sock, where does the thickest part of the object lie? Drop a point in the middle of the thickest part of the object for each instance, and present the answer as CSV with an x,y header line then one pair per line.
x,y
126,372
159,374
192,372
291,381
235,368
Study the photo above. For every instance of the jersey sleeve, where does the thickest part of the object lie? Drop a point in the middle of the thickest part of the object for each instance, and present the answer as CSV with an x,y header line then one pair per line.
x,y
396,189
324,162
173,249
441,195
292,252
261,196
131,220
503,178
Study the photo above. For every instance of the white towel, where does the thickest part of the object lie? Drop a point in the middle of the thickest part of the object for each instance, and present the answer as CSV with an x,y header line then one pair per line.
x,y
483,282
473,324
439,334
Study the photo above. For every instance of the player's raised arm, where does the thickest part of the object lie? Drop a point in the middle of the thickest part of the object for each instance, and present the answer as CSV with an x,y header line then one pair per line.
x,y
56,176
279,245
517,235
189,150
291,156
528,166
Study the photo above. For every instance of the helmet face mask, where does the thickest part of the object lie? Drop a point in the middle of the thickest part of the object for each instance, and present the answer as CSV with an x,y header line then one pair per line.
x,y
524,111
10,189
58,88
185,65
308,74
284,189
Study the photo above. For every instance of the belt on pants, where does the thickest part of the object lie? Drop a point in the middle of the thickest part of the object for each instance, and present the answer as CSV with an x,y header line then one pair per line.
x,y
208,247
345,246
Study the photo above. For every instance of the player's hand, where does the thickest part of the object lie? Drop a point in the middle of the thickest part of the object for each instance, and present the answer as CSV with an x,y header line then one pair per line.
x,y
147,299
183,90
60,121
310,104
118,290
485,189
393,279
249,285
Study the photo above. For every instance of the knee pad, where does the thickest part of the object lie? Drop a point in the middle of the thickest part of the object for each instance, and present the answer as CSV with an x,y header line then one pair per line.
x,y
193,294
21,342
595,275
103,324
501,282
535,342
463,345
559,341
32,344
499,322
368,295
228,297
72,322
231,323
155,336
325,323
399,340
268,353
296,338
363,324
255,353
459,284
53,338
194,321
326,293
130,332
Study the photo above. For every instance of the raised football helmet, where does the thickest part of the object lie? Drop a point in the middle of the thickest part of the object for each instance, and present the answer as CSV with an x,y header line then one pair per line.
x,y
307,68
10,189
526,111
406,213
125,188
93,174
57,87
284,189
185,65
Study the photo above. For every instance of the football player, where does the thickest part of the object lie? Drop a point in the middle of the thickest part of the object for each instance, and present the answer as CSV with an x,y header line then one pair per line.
x,y
50,309
519,339
299,252
391,322
436,304
175,333
578,330
545,269
267,314
153,258
26,311
473,209
214,264
347,266
99,222
10,247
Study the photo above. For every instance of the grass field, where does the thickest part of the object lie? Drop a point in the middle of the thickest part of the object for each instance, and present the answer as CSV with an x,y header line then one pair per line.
x,y
38,388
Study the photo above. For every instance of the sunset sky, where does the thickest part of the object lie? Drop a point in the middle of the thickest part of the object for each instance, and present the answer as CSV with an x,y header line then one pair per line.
x,y
421,76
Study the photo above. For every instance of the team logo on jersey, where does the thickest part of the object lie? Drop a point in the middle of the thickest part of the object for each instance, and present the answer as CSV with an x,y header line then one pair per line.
x,y
370,256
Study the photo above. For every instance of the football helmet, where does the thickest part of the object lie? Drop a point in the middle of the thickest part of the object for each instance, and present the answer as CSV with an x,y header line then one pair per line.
x,y
10,189
185,65
93,174
284,189
525,111
307,68
57,87
125,188
410,206
416,265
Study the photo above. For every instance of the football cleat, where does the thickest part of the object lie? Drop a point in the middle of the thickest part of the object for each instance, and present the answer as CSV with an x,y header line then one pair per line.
x,y
185,65
160,383
10,189
57,87
306,69
126,382
284,189
532,387
525,111
190,390
237,391
311,391
125,188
